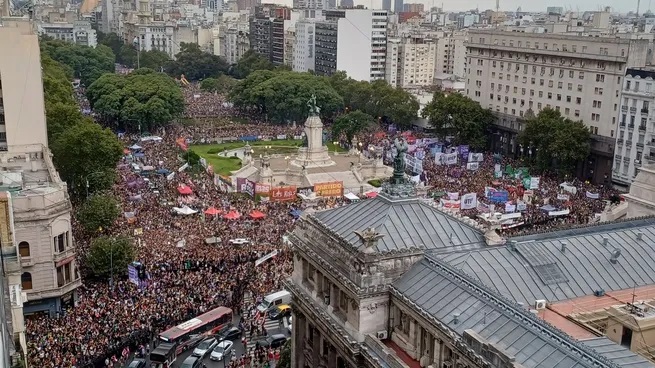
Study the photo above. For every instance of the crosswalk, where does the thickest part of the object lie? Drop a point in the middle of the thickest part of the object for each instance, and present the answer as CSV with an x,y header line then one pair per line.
x,y
270,326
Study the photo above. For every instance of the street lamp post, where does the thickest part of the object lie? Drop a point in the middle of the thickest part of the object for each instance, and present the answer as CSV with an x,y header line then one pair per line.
x,y
87,181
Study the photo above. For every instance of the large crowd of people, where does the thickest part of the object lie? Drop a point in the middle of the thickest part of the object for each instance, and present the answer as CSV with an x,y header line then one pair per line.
x,y
188,276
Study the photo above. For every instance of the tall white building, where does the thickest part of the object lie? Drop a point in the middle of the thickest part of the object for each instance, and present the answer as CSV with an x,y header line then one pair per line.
x,y
79,32
230,36
451,54
635,138
410,61
512,72
39,198
304,44
354,41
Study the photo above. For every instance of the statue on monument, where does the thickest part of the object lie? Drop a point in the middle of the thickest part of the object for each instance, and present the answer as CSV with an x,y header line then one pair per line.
x,y
399,161
314,110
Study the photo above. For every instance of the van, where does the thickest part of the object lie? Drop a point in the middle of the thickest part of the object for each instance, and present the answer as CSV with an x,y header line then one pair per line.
x,y
271,300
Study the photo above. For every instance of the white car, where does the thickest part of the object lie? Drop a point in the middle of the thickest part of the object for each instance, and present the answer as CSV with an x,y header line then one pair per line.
x,y
222,350
289,327
239,241
205,347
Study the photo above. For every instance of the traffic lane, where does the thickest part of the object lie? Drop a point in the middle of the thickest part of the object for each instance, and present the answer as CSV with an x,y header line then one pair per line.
x,y
238,350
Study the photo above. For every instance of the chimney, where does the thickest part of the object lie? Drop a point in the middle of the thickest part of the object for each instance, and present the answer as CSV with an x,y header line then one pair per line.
x,y
606,240
455,318
639,235
616,253
563,245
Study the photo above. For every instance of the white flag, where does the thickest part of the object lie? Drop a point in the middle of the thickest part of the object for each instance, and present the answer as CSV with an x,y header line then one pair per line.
x,y
469,201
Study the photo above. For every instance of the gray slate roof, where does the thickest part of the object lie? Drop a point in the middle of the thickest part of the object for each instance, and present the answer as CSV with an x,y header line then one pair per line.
x,y
538,269
515,331
617,353
404,224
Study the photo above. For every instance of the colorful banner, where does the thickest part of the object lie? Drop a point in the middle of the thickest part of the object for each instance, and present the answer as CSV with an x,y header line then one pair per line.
x,y
463,151
262,188
248,187
280,194
331,189
472,166
475,157
591,195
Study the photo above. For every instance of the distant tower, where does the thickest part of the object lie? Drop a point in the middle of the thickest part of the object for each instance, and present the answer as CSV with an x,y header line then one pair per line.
x,y
638,3
497,5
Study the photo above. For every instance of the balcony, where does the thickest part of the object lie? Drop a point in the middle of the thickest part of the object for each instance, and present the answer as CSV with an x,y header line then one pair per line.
x,y
70,251
640,145
53,292
633,110
642,127
619,141
631,126
644,111
624,108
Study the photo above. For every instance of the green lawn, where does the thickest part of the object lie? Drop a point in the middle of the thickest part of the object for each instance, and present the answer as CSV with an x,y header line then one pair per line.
x,y
224,165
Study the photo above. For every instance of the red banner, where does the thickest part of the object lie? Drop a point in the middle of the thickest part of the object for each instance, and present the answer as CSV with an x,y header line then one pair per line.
x,y
280,194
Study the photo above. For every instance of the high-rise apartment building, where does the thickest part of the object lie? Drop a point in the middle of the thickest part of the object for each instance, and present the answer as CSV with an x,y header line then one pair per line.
x,y
354,41
397,6
304,44
635,137
410,61
513,73
39,198
451,53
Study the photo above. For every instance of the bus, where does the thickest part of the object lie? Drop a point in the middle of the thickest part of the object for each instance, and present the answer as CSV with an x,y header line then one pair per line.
x,y
188,334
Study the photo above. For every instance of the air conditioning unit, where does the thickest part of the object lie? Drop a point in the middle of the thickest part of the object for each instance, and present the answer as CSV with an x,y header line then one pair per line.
x,y
539,304
381,335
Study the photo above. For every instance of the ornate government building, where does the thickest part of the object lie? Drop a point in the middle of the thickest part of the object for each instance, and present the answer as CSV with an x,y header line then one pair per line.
x,y
394,282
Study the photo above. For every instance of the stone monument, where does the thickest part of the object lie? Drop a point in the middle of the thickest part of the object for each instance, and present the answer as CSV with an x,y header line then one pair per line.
x,y
313,153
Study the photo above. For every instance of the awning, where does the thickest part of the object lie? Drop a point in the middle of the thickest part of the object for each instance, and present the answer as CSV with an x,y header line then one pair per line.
x,y
212,211
257,215
351,197
232,215
184,190
371,194
135,147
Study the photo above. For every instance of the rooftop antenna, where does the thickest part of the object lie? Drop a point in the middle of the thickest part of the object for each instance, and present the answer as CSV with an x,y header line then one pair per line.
x,y
497,5
638,3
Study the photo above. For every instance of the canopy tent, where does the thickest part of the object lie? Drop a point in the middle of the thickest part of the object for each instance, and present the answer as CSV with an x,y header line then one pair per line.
x,y
295,213
148,168
232,215
163,172
257,215
135,147
548,208
351,196
371,194
184,190
139,154
184,210
212,211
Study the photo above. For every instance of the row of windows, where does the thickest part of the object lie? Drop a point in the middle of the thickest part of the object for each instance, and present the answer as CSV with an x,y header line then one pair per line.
x,y
60,243
554,46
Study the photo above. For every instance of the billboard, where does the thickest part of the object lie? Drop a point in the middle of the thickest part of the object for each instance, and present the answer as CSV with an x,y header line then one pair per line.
x,y
330,189
280,194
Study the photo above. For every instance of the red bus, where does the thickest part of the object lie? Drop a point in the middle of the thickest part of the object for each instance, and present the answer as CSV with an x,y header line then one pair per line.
x,y
188,334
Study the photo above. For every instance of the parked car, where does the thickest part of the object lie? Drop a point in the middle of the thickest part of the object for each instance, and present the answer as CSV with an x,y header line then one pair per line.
x,y
205,347
290,321
221,350
231,333
273,341
137,363
280,312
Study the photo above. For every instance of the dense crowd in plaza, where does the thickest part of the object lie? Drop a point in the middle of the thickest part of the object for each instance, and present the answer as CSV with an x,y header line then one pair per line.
x,y
107,320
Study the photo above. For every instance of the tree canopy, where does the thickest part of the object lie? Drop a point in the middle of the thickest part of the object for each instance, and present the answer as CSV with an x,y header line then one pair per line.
x,y
142,100
87,63
558,143
110,255
351,124
283,96
378,99
196,64
98,212
458,116
84,152
222,84
250,62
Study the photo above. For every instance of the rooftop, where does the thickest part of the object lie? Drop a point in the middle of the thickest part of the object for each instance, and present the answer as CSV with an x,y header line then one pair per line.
x,y
566,264
461,304
405,223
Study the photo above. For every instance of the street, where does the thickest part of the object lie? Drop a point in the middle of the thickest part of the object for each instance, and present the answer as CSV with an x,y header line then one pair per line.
x,y
272,327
